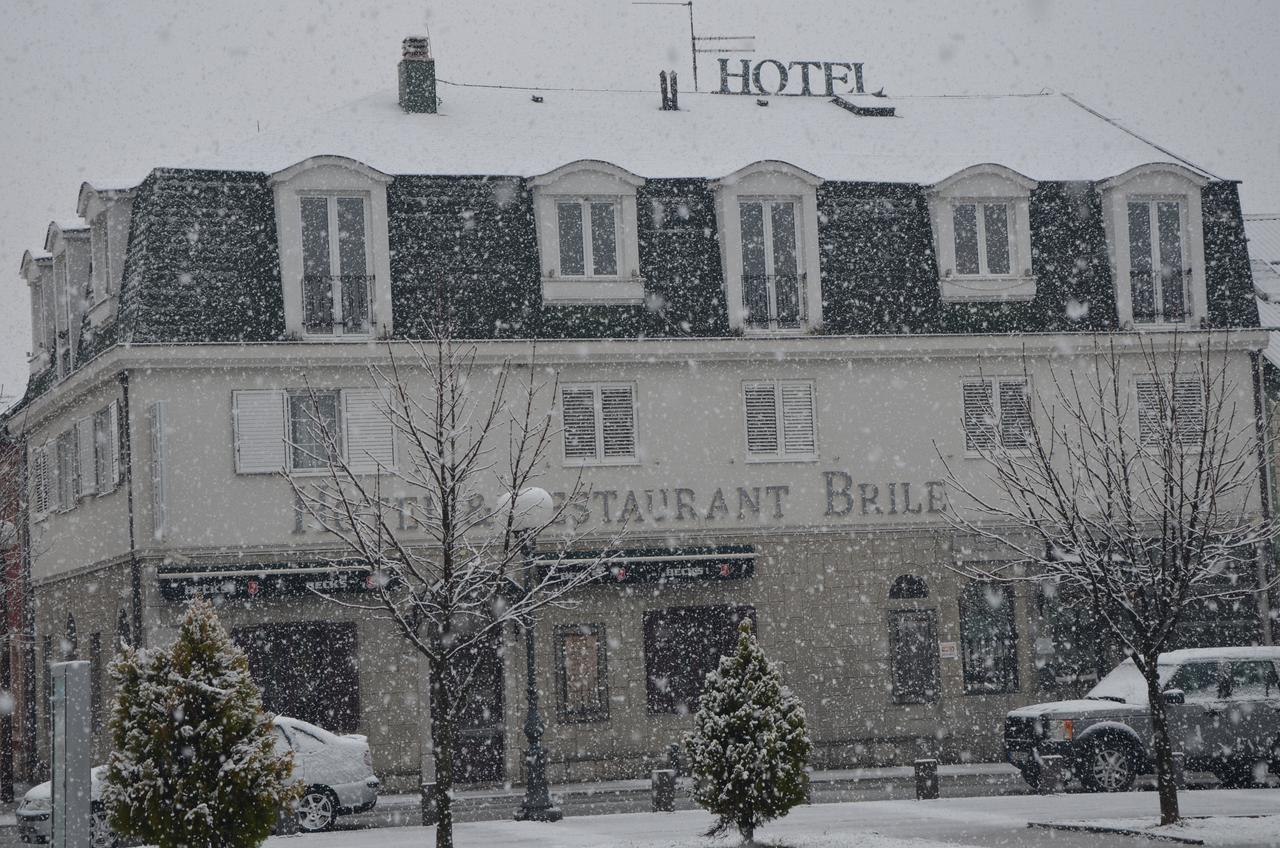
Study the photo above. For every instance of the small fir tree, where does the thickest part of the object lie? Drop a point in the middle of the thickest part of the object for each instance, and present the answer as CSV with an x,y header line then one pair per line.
x,y
195,763
749,746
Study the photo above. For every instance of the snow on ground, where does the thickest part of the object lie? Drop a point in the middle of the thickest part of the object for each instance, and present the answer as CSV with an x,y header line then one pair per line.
x,y
1211,830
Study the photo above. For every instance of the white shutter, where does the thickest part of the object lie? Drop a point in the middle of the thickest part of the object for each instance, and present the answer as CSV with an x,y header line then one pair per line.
x,y
1015,415
370,433
578,411
258,424
618,422
113,427
762,418
799,430
159,508
1188,409
979,416
88,467
1149,402
39,477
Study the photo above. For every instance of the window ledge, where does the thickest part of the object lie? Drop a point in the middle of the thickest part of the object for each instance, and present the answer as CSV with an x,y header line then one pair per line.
x,y
758,460
601,463
597,290
975,288
1020,452
765,332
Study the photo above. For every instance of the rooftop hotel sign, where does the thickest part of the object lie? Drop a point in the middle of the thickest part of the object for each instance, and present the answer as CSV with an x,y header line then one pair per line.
x,y
801,78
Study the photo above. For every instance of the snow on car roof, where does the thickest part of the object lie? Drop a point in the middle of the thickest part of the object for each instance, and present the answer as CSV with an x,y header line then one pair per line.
x,y
503,131
1264,652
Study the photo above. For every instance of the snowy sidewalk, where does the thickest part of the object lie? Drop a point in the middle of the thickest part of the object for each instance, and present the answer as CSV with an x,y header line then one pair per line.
x,y
975,821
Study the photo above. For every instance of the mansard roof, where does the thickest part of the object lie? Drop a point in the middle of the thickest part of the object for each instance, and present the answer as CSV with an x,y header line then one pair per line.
x,y
525,132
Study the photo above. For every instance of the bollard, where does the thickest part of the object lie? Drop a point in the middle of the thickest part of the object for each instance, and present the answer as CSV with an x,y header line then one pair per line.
x,y
287,821
1180,769
427,799
663,784
1050,773
926,779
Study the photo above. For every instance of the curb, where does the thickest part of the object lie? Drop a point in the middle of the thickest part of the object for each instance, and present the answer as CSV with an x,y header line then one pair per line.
x,y
1117,831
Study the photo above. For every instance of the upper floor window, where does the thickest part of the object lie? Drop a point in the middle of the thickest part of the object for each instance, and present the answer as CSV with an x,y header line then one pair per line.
x,y
982,234
108,212
336,282
274,430
1153,218
587,239
997,414
331,216
781,419
1176,408
599,423
768,216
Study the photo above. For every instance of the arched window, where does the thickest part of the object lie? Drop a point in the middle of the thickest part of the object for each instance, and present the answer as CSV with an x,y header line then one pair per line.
x,y
908,586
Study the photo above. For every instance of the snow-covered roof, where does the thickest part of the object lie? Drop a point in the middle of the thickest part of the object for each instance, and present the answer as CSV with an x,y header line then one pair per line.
x,y
1256,652
503,131
1263,232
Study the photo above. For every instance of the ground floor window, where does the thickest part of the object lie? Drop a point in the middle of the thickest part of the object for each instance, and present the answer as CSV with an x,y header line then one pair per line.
x,y
683,644
581,672
307,670
913,637
988,639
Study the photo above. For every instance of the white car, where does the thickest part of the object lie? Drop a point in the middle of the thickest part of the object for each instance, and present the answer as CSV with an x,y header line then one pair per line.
x,y
336,770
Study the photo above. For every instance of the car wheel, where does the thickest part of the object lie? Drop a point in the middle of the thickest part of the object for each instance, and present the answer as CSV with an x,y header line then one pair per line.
x,y
100,835
1109,766
317,809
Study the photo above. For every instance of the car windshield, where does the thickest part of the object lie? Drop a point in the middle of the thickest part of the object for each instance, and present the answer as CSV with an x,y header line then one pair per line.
x,y
1125,684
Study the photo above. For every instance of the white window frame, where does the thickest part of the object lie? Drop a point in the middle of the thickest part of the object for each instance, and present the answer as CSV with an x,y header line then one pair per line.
x,y
290,395
983,185
587,181
1154,182
997,411
333,176
782,454
600,459
335,258
764,181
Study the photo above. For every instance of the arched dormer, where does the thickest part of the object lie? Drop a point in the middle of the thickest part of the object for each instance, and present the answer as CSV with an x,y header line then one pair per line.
x,y
335,262
69,246
768,218
981,219
37,271
588,243
108,211
1155,239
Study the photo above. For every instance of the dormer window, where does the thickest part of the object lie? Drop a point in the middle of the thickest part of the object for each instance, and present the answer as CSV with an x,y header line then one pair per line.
x,y
108,212
331,216
587,240
1156,241
768,214
982,234
336,278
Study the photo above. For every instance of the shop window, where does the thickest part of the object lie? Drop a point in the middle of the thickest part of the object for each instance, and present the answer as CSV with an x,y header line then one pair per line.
x,y
908,587
997,414
307,671
599,423
1072,649
1179,407
581,673
913,636
781,420
95,682
681,646
46,685
988,639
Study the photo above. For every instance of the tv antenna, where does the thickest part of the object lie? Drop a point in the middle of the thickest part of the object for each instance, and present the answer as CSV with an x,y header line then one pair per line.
x,y
695,39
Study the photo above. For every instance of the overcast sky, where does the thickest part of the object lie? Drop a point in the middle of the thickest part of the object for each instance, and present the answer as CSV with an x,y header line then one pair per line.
x,y
105,91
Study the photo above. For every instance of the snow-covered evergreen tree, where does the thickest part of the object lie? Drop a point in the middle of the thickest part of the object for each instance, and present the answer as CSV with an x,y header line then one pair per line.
x,y
195,763
749,746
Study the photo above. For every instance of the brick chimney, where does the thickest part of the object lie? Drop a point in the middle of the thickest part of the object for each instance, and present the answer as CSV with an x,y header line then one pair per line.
x,y
418,76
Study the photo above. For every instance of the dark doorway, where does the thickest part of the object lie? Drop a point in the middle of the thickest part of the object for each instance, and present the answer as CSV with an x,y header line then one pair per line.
x,y
683,644
480,750
307,670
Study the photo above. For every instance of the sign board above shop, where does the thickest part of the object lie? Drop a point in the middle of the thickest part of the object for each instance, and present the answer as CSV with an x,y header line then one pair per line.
x,y
663,565
262,581
799,78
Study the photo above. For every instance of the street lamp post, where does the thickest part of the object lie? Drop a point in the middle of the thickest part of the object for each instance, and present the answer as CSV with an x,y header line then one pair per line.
x,y
533,509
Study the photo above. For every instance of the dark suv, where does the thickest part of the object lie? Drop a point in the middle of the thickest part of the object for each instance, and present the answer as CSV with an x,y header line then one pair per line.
x,y
1223,706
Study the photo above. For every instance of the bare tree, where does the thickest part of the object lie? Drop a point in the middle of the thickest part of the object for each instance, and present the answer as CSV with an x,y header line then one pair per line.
x,y
450,570
1137,504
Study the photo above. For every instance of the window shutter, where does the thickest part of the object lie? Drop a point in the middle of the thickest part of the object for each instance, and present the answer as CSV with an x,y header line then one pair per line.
x,y
1015,415
798,425
1188,408
370,433
979,417
88,467
762,418
1149,401
618,417
113,425
258,422
55,476
39,476
159,511
578,409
